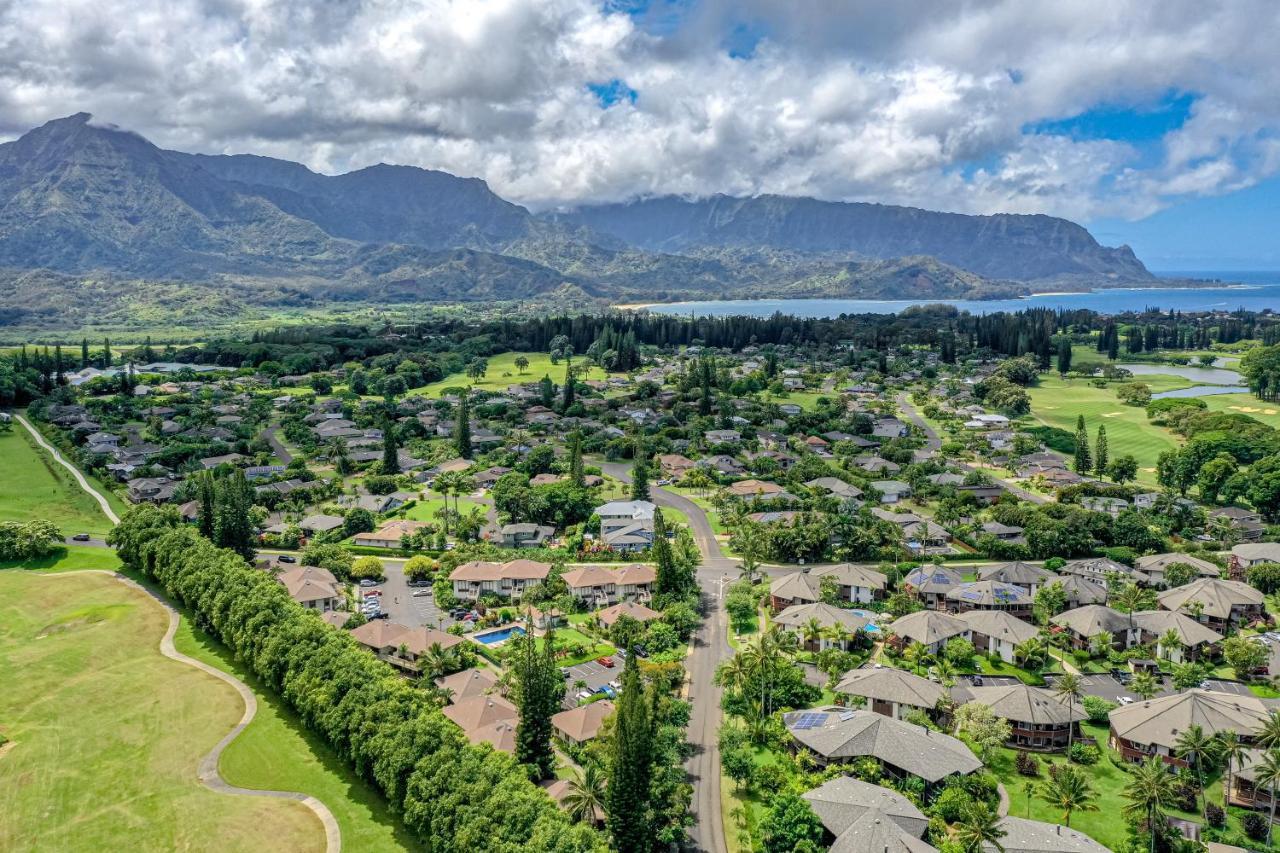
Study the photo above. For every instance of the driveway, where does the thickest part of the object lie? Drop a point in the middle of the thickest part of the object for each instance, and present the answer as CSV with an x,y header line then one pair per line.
x,y
277,447
933,442
594,674
402,606
1106,686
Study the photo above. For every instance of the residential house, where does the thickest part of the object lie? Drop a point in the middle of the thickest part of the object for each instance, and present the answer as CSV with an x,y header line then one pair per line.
x,y
1153,727
931,628
862,817
638,612
1038,719
838,735
997,632
1155,565
990,595
1025,576
525,535
856,584
832,621
892,692
891,491
467,684
390,534
1217,603
1084,623
579,725
599,586
932,583
505,580
314,588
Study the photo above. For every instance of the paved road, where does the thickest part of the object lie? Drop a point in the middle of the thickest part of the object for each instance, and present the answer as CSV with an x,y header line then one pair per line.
x,y
710,647
75,472
277,447
933,442
207,771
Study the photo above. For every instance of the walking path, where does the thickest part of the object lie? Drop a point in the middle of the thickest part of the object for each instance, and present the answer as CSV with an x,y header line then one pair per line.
x,y
207,771
75,472
935,443
710,648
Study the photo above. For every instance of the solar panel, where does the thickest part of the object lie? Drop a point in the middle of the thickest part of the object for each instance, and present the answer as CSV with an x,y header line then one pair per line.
x,y
809,720
846,716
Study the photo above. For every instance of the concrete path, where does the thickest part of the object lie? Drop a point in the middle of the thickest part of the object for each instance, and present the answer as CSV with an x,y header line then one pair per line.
x,y
710,648
207,771
75,472
277,446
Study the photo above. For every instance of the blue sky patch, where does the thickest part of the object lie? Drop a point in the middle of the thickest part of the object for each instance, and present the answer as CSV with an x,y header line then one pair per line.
x,y
612,92
1122,123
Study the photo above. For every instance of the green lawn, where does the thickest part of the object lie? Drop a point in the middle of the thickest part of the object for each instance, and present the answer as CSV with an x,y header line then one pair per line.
x,y
1247,404
70,558
35,486
503,372
1057,402
107,733
426,510
277,752
807,400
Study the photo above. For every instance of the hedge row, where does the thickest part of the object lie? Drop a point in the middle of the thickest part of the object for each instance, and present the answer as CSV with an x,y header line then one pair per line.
x,y
451,795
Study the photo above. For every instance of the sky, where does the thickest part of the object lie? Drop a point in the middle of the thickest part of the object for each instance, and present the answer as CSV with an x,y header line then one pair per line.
x,y
1155,124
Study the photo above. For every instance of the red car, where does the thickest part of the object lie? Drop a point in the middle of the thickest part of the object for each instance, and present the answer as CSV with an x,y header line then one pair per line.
x,y
607,662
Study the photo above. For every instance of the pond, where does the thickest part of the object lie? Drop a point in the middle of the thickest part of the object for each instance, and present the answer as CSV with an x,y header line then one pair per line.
x,y
1199,375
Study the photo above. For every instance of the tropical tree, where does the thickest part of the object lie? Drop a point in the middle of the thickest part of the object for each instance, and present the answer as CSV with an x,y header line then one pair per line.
x,y
1196,747
584,795
522,363
1069,689
1269,735
1150,790
1144,684
1232,750
1068,790
1101,644
1267,774
979,830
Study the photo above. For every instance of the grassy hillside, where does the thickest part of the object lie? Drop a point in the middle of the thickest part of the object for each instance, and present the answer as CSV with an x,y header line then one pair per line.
x,y
34,486
503,372
106,733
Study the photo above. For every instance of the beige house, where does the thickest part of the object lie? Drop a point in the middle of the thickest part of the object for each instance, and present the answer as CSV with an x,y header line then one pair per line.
x,y
1038,719
892,692
389,534
314,588
400,645
1152,727
638,612
597,585
506,580
581,724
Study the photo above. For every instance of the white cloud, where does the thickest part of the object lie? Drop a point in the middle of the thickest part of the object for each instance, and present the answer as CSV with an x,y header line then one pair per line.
x,y
915,103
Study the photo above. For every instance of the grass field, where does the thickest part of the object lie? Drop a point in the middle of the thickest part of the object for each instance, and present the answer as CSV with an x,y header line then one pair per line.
x,y
70,558
503,372
1247,404
35,486
107,733
277,752
426,510
807,400
1058,403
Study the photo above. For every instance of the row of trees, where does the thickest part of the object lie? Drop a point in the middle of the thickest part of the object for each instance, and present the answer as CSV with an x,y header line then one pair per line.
x,y
452,796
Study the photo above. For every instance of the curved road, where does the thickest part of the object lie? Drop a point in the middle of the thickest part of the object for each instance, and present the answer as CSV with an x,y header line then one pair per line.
x,y
75,472
207,772
277,446
710,648
933,442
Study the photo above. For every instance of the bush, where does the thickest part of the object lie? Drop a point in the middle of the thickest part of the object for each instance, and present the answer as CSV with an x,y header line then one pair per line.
x,y
1215,815
1098,709
1083,753
1254,826
452,796
366,568
1027,764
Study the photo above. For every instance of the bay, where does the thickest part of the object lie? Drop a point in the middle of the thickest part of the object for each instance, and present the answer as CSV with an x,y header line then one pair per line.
x,y
1255,292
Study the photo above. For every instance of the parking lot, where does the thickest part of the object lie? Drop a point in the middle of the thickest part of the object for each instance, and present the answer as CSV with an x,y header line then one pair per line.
x,y
594,674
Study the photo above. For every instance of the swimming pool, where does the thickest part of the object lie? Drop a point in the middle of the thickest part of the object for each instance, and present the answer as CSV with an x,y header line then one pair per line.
x,y
871,617
492,638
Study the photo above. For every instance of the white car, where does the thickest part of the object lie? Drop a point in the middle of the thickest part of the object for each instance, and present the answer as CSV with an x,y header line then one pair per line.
x,y
1125,700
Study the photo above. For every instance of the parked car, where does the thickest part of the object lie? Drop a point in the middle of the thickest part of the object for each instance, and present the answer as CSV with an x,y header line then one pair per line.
x,y
419,583
419,593
81,537
565,672
585,694
605,662
368,582
1125,700
287,558
379,615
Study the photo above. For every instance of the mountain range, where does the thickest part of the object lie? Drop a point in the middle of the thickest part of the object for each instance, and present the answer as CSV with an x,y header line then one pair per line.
x,y
83,204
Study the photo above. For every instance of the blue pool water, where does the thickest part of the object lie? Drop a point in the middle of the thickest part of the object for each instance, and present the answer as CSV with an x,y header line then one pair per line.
x,y
868,615
499,636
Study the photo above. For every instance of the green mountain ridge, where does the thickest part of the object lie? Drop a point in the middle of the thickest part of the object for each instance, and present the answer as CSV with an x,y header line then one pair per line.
x,y
83,203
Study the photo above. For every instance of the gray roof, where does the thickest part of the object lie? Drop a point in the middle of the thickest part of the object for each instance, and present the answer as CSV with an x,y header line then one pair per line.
x,y
1022,703
1160,721
933,579
877,832
839,733
1217,596
1191,632
1081,590
850,575
891,685
989,594
1093,619
797,585
798,615
842,801
1033,836
1159,563
928,626
1015,573
999,624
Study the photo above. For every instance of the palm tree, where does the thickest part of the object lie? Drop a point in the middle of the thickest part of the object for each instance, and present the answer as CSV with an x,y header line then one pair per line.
x,y
1030,655
1195,747
1170,642
1101,644
915,654
1269,735
1129,598
1068,789
812,631
979,829
1069,688
1149,791
584,795
1232,750
946,672
1267,773
1144,684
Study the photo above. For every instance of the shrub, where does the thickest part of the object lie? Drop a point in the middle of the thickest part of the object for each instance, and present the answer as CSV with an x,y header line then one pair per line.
x,y
1083,753
1098,709
1215,815
1027,764
1254,826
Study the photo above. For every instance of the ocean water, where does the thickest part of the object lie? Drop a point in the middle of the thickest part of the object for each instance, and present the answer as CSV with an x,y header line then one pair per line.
x,y
1253,291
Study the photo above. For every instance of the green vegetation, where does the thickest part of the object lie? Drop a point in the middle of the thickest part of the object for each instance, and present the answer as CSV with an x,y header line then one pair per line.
x,y
70,558
277,752
90,764
501,371
35,486
1058,403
